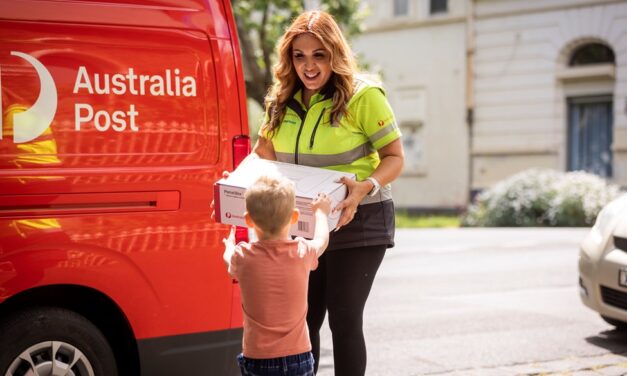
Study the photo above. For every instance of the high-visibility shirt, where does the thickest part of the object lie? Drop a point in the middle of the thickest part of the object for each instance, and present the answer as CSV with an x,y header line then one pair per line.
x,y
307,136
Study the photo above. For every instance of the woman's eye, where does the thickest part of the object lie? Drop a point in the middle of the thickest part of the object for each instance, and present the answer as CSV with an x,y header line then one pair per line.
x,y
319,56
298,56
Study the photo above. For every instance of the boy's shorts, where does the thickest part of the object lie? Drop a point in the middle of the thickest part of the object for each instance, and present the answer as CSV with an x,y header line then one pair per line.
x,y
291,365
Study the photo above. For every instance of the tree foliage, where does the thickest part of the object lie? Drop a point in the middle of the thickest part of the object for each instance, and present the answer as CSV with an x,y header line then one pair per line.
x,y
260,24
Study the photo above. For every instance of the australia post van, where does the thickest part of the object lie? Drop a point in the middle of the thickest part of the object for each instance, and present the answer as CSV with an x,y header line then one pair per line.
x,y
117,118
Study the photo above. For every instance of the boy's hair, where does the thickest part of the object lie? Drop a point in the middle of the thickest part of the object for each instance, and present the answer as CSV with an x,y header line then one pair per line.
x,y
270,202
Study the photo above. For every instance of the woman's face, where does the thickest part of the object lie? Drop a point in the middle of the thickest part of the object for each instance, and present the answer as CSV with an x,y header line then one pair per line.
x,y
311,61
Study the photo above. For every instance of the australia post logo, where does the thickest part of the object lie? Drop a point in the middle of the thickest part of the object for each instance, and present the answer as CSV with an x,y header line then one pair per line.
x,y
30,124
33,122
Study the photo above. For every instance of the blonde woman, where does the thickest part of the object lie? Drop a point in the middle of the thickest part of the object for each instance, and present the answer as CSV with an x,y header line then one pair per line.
x,y
320,113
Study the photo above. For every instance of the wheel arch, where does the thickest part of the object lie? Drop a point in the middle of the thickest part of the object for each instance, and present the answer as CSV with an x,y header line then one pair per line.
x,y
91,304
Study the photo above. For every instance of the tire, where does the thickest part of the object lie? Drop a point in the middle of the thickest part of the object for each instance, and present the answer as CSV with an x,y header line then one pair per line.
x,y
53,337
621,326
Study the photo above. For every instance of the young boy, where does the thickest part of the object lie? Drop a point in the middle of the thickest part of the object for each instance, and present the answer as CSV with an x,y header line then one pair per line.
x,y
273,275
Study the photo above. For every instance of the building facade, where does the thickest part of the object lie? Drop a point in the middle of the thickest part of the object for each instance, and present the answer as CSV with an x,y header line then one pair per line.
x,y
484,89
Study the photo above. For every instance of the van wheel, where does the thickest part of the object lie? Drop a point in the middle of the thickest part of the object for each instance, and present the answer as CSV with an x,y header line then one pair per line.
x,y
53,341
621,326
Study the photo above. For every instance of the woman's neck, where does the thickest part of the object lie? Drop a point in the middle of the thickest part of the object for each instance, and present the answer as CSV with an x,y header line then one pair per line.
x,y
307,94
284,234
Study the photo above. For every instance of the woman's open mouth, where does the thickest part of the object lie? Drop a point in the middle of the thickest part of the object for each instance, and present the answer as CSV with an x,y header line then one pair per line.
x,y
311,76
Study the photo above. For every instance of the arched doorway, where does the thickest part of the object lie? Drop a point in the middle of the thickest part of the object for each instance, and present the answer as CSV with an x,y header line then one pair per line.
x,y
590,115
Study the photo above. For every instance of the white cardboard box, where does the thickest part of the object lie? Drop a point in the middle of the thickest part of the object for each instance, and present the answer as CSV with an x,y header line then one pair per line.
x,y
229,200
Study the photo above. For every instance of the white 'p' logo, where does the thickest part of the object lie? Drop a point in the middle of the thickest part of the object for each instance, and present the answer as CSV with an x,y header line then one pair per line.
x,y
30,124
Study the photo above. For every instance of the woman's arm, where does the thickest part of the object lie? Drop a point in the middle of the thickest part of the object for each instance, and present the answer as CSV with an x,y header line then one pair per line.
x,y
392,162
263,149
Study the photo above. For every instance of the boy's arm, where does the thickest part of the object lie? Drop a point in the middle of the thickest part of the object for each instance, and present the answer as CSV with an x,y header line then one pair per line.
x,y
321,206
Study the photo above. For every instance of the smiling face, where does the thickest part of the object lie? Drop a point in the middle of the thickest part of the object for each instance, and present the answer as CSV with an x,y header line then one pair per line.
x,y
312,63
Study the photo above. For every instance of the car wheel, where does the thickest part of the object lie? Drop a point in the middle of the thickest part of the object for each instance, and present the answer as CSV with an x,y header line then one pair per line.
x,y
53,341
620,325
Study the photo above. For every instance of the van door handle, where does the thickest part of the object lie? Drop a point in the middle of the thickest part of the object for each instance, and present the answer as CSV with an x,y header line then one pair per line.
x,y
96,202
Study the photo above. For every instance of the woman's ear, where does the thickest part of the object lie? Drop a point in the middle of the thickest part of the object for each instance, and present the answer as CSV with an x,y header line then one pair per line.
x,y
295,215
249,221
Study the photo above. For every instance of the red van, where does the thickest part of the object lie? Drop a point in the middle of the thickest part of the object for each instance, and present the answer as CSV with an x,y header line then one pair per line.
x,y
117,118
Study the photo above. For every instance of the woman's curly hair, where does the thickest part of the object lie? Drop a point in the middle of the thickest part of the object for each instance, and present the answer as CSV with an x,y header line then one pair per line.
x,y
322,26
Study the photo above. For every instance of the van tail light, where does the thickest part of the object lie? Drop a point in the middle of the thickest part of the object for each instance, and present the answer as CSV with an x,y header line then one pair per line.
x,y
241,234
241,148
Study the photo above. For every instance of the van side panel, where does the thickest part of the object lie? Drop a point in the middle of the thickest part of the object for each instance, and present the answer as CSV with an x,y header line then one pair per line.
x,y
206,15
161,88
143,101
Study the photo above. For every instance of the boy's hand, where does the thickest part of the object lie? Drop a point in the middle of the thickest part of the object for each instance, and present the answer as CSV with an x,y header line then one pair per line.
x,y
322,202
321,207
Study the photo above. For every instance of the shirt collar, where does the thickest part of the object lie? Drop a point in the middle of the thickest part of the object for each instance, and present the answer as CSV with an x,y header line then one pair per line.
x,y
323,94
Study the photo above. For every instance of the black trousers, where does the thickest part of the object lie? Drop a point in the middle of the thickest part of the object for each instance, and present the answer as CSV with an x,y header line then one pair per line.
x,y
341,284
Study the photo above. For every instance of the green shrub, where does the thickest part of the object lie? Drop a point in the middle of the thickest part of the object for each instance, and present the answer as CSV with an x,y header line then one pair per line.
x,y
541,198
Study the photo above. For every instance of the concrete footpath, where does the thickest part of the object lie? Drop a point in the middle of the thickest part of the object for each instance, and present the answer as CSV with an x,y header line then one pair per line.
x,y
601,365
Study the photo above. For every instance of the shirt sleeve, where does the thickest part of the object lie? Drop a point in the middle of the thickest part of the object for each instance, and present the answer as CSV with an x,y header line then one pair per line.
x,y
308,253
376,118
263,129
237,258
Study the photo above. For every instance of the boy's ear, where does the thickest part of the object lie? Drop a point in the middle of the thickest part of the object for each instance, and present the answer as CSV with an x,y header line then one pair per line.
x,y
295,215
249,221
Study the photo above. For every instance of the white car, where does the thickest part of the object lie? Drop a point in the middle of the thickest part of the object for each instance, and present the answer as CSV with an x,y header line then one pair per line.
x,y
603,264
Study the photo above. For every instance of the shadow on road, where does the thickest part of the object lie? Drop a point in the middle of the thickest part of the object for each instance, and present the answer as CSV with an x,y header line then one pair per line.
x,y
611,340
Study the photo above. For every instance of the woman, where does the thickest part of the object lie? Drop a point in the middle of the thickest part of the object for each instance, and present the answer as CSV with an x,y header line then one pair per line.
x,y
319,113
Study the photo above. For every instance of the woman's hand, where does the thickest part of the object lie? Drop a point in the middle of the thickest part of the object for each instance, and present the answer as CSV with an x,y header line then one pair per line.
x,y
392,160
357,190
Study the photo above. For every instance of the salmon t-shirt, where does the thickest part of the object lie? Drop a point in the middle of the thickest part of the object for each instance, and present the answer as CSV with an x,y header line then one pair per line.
x,y
273,276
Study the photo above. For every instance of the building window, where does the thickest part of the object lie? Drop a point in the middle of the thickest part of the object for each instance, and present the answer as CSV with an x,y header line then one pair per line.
x,y
592,53
401,8
438,6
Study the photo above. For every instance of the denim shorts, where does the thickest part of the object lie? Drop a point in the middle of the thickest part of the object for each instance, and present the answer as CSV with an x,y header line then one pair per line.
x,y
291,365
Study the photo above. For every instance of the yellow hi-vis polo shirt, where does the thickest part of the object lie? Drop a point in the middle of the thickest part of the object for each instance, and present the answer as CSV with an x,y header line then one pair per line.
x,y
307,137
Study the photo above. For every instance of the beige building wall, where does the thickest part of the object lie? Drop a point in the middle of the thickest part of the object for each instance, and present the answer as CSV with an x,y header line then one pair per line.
x,y
421,58
521,82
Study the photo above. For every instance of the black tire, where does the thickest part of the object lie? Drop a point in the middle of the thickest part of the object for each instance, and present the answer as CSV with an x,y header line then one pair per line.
x,y
621,326
40,332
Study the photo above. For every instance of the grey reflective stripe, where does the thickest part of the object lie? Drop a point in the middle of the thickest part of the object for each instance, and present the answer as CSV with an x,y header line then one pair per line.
x,y
324,160
383,132
385,193
285,157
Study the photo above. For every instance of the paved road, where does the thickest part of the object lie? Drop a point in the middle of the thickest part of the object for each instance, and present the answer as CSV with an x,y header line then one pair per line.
x,y
484,302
